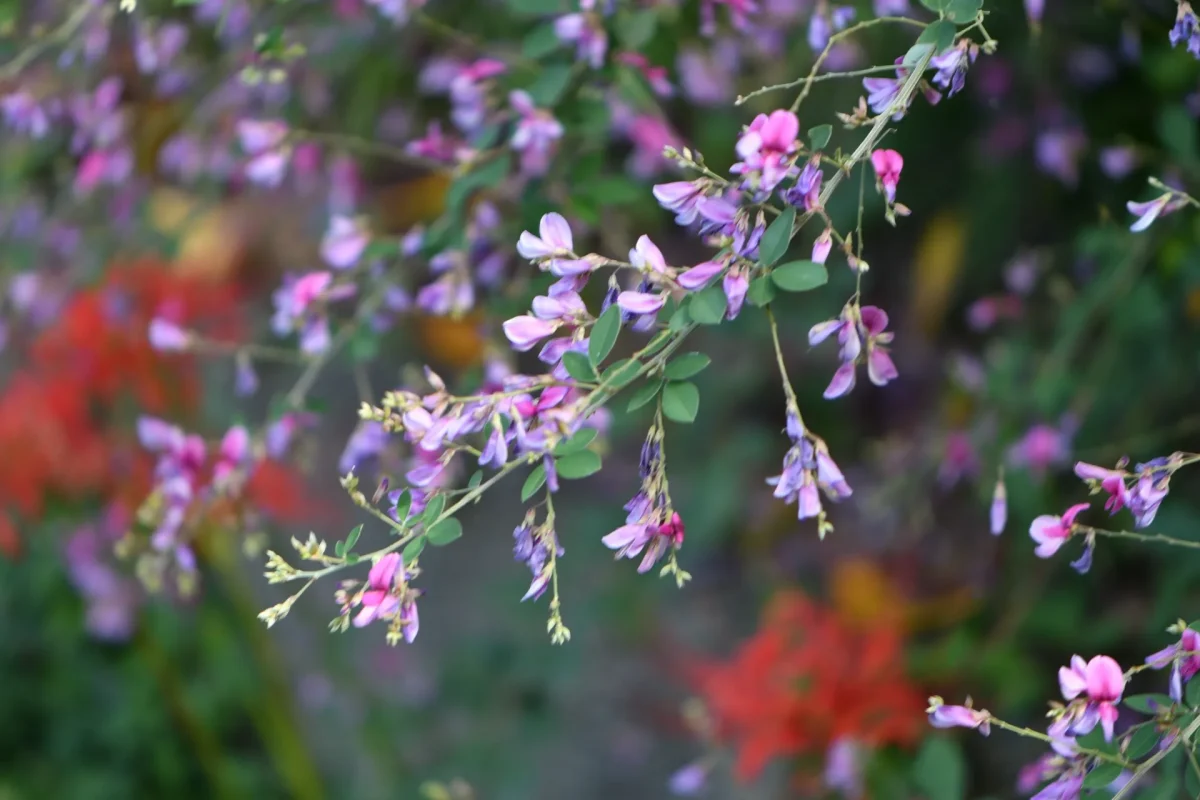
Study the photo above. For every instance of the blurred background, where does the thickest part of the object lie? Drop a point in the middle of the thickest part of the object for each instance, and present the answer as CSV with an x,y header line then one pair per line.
x,y
1032,330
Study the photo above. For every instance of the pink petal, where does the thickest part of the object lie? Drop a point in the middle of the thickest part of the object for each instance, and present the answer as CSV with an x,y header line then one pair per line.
x,y
880,368
874,319
1105,681
556,232
1071,682
383,572
698,276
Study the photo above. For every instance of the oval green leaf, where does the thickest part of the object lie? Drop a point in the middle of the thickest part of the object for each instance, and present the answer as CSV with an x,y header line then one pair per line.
x,y
800,276
681,401
444,532
777,237
604,335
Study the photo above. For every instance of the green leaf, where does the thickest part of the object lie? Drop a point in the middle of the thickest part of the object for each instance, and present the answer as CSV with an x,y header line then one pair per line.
x,y
685,366
1094,740
535,8
403,504
550,84
777,237
540,41
761,291
818,137
936,6
1177,130
578,465
433,509
682,316
681,401
352,539
800,276
939,771
576,443
1143,740
488,174
339,549
578,366
1191,781
940,34
916,53
644,394
412,550
1149,703
535,481
963,11
708,305
604,335
475,480
444,532
636,28
621,373
1191,694
1101,775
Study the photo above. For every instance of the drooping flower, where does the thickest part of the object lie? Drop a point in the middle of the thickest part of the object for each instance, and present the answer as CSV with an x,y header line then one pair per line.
x,y
1151,210
380,599
953,64
1051,532
1103,682
855,326
944,716
887,164
1184,659
1111,481
1186,29
586,31
999,510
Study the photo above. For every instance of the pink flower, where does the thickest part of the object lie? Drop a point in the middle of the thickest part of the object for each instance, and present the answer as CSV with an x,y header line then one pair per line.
x,y
699,276
766,148
1043,446
888,164
344,242
1102,680
167,337
380,598
1051,532
1110,480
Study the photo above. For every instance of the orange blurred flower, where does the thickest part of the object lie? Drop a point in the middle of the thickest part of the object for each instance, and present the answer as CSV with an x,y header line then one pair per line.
x,y
807,680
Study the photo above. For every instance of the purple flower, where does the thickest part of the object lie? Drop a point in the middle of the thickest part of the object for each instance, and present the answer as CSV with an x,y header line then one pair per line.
x,y
555,240
1042,447
952,66
735,284
344,242
682,197
1102,681
1184,659
766,149
825,20
1051,532
853,327
364,445
587,33
1151,489
468,93
646,257
822,245
536,135
699,276
265,142
1151,210
1186,28
1069,786
640,303
944,716
689,780
999,511
167,337
526,331
844,767
806,193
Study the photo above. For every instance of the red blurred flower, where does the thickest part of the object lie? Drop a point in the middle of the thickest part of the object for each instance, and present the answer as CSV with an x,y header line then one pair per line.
x,y
806,680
